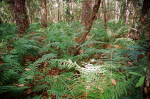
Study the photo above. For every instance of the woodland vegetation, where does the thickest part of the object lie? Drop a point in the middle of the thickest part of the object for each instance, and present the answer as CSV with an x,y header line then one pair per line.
x,y
74,49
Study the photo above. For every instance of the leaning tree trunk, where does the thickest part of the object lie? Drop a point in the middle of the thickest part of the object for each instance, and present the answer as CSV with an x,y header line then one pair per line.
x,y
145,22
88,16
86,12
20,15
43,14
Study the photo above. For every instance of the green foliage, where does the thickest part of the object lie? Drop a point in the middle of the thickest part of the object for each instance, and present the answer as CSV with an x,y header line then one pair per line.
x,y
140,82
12,91
7,31
5,12
43,61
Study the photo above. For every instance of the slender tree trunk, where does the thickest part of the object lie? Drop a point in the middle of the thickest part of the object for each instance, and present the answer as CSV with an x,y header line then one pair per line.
x,y
20,15
58,10
108,10
12,13
0,21
88,16
117,8
105,14
134,3
63,11
68,14
146,88
29,11
128,4
145,22
43,14
123,9
50,10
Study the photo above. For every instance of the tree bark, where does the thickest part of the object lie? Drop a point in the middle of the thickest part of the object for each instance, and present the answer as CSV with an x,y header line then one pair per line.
x,y
20,15
134,3
145,22
0,21
146,88
117,7
58,10
88,17
29,11
86,12
127,11
89,20
105,14
123,8
146,6
43,14
68,14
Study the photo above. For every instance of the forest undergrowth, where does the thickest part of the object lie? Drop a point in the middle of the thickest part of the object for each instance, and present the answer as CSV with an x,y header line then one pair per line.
x,y
42,64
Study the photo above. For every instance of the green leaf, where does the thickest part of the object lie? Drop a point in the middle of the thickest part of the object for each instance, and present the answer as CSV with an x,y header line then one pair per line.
x,y
140,82
29,78
134,73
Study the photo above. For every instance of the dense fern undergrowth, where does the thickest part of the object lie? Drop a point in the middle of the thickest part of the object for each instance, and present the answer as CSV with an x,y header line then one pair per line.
x,y
42,64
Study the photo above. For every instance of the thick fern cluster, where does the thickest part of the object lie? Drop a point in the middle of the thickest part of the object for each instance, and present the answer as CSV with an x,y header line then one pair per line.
x,y
42,61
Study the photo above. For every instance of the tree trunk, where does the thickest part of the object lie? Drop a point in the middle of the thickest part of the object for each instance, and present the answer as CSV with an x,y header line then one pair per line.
x,y
146,6
89,20
0,21
105,14
29,10
134,3
146,88
43,14
128,4
109,9
145,22
58,10
20,15
68,14
117,7
88,17
86,12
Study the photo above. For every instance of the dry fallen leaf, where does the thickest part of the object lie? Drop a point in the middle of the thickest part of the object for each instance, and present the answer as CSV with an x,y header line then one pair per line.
x,y
114,82
100,88
21,85
29,91
27,69
88,87
57,47
68,78
30,76
55,81
56,76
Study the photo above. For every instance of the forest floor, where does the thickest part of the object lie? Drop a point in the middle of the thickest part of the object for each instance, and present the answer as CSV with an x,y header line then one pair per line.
x,y
42,64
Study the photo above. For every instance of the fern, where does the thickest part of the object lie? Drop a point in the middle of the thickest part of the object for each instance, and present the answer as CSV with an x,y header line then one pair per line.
x,y
105,56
